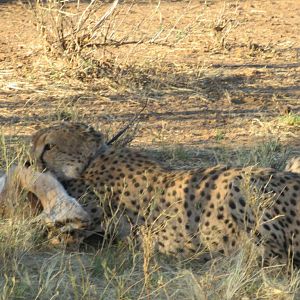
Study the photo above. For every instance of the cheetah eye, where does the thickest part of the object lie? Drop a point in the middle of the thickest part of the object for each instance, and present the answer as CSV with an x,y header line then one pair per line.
x,y
48,147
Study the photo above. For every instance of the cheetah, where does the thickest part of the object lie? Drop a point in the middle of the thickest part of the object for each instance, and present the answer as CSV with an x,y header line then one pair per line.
x,y
188,211
293,165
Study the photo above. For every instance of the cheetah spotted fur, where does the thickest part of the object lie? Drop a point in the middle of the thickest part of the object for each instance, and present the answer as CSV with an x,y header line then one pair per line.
x,y
188,211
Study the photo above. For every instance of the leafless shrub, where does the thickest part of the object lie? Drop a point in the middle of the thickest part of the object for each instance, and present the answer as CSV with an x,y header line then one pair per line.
x,y
87,35
69,29
73,30
223,25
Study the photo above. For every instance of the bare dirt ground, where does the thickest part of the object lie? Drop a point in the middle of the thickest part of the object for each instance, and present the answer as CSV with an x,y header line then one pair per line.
x,y
199,93
213,95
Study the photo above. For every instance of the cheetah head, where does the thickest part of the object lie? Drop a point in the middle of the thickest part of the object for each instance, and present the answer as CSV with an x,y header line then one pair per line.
x,y
66,149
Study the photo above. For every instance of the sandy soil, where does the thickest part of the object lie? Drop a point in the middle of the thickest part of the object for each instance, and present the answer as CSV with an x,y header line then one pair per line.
x,y
200,95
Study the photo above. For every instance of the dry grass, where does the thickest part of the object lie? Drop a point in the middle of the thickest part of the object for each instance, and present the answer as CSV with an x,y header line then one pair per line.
x,y
217,77
32,268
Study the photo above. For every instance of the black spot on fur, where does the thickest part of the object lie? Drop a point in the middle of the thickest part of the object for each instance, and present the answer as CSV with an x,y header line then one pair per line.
x,y
236,189
242,202
232,204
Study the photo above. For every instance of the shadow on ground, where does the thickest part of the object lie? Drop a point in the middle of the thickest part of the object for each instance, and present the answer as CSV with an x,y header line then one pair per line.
x,y
223,92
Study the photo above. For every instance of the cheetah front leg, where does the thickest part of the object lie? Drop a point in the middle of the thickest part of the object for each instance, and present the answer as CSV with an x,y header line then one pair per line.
x,y
58,207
